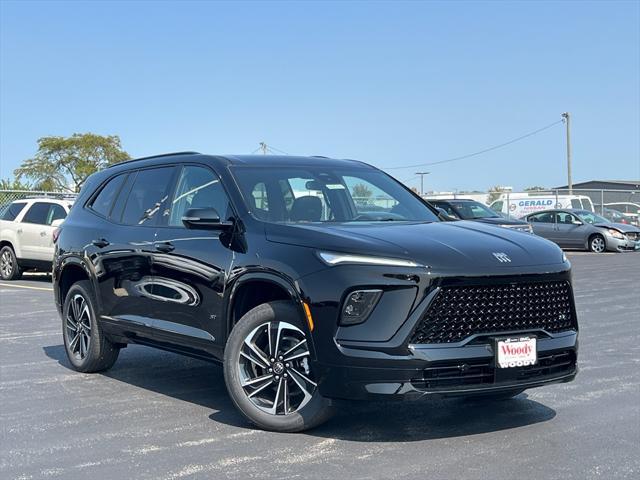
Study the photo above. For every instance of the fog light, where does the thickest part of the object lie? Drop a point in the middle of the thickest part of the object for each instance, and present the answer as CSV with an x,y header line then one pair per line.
x,y
359,305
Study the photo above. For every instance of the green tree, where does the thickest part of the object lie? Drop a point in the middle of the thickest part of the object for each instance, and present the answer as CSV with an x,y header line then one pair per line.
x,y
64,163
361,191
494,193
15,184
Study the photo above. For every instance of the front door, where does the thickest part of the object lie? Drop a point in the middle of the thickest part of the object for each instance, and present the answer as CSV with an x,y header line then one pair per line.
x,y
190,266
570,231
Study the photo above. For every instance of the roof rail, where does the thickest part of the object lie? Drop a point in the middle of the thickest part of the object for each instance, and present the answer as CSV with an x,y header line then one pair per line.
x,y
155,156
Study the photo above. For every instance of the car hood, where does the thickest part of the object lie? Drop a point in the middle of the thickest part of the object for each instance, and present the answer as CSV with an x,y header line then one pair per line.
x,y
447,244
500,221
621,227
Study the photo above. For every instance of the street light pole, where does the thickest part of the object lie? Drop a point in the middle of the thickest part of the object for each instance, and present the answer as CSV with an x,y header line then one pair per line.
x,y
422,174
567,120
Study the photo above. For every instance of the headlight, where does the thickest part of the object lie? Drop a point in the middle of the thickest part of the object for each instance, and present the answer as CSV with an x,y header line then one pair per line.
x,y
333,258
359,305
615,233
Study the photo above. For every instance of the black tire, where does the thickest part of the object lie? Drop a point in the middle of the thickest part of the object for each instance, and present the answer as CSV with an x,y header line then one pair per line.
x,y
9,268
497,396
91,351
597,244
313,409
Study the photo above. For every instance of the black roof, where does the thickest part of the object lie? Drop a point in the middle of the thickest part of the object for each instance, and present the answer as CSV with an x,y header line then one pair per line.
x,y
253,160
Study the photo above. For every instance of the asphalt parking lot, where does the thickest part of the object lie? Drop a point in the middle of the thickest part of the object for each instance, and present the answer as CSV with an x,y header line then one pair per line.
x,y
158,415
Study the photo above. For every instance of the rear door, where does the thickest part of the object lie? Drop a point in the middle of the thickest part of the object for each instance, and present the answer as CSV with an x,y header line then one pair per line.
x,y
36,233
190,266
122,245
543,224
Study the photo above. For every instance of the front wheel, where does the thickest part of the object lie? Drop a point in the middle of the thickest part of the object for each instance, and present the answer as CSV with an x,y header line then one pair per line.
x,y
597,244
267,371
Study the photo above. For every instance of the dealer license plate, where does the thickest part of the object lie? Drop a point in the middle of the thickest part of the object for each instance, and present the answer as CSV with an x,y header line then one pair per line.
x,y
516,352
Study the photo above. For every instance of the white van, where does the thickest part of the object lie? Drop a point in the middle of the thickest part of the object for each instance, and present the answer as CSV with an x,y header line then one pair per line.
x,y
517,205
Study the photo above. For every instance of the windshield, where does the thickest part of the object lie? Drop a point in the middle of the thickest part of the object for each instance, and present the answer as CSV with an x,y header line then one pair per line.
x,y
472,210
590,217
327,194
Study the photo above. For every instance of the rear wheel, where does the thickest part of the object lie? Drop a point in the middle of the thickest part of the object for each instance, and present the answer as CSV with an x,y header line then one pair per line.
x,y
597,244
87,347
9,268
267,371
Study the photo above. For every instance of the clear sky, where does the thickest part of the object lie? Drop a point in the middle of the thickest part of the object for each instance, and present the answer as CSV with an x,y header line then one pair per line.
x,y
388,83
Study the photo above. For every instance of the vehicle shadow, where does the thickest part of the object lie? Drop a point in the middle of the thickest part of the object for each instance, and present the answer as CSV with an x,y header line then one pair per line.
x,y
202,383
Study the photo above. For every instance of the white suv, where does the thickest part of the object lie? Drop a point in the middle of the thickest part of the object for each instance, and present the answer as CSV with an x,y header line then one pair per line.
x,y
26,234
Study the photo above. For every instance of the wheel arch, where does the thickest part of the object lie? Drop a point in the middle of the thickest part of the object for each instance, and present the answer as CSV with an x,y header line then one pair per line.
x,y
71,271
596,234
253,289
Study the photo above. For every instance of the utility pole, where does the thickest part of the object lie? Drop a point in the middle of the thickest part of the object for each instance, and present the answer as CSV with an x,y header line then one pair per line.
x,y
263,147
567,120
422,174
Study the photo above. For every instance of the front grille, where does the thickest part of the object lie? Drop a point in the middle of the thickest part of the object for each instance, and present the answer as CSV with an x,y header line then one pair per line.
x,y
633,236
458,312
460,374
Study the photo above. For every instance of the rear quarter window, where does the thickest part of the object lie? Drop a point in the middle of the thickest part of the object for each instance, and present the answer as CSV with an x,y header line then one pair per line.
x,y
103,202
11,211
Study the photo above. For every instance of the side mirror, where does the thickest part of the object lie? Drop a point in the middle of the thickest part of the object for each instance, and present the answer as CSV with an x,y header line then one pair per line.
x,y
576,222
204,219
57,222
442,213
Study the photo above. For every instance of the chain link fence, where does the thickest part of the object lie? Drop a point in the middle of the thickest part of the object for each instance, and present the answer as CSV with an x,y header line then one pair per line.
x,y
8,196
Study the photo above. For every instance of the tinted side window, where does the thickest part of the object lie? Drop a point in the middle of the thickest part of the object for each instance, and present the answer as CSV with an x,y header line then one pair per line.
x,y
56,212
37,214
11,211
147,196
198,187
104,200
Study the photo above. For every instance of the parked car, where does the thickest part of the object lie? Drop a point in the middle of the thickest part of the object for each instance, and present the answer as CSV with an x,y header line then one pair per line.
x,y
26,234
304,298
629,209
613,215
572,228
463,209
518,205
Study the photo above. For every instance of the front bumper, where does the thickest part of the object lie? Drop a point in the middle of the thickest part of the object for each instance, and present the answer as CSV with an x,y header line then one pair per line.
x,y
445,370
377,359
622,244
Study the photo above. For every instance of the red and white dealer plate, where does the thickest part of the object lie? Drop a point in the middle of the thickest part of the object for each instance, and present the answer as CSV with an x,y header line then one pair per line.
x,y
516,352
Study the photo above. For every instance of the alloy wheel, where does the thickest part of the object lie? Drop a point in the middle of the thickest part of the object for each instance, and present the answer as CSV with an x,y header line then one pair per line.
x,y
78,327
598,245
6,264
274,369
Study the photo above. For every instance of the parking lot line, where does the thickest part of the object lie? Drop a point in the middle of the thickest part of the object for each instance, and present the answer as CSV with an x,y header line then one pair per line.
x,y
26,286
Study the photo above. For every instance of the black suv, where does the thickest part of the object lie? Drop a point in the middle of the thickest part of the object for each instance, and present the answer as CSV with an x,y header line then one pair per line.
x,y
311,280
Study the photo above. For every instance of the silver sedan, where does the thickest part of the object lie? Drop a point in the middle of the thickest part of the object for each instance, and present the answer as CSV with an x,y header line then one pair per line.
x,y
573,228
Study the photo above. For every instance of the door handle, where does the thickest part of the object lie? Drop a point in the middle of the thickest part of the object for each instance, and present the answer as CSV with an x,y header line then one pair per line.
x,y
101,243
43,234
19,231
165,247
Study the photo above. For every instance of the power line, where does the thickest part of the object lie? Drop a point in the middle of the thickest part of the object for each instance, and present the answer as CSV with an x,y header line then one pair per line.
x,y
268,148
480,152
